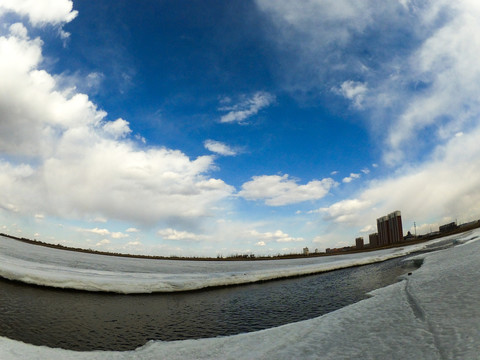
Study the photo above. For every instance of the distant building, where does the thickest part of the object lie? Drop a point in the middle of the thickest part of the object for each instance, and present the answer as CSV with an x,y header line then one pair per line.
x,y
359,243
306,251
471,223
373,240
390,229
448,227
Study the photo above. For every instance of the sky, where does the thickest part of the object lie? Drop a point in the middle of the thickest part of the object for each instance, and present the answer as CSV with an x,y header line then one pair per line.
x,y
205,128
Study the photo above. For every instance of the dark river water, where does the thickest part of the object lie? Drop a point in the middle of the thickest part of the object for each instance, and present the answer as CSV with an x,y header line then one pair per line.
x,y
86,321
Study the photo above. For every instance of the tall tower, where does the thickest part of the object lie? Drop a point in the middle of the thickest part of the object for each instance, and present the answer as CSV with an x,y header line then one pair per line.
x,y
390,229
395,227
383,230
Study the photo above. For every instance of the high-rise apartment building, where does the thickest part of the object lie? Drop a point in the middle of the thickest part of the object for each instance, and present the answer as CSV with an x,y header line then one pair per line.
x,y
373,240
390,229
359,243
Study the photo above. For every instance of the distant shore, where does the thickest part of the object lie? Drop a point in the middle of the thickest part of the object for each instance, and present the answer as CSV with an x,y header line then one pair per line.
x,y
249,257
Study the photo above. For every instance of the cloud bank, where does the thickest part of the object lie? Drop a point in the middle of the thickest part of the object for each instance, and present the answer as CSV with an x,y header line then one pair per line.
x,y
63,157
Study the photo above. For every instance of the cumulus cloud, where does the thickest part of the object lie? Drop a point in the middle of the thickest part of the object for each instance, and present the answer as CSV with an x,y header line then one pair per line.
x,y
346,210
41,12
219,148
276,236
119,235
247,108
118,128
103,242
350,178
77,164
97,231
172,234
278,190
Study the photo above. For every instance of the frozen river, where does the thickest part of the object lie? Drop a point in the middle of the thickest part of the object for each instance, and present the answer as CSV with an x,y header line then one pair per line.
x,y
86,321
91,272
432,314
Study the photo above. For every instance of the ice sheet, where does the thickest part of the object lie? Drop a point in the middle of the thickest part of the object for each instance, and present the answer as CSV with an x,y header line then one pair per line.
x,y
432,314
91,272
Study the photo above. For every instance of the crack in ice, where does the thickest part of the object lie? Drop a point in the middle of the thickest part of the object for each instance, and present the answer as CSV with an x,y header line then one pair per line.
x,y
420,314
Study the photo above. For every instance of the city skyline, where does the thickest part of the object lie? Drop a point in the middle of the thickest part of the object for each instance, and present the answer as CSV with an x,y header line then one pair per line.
x,y
203,128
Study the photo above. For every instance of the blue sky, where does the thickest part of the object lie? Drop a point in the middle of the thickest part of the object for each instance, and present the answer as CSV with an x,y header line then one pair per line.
x,y
207,127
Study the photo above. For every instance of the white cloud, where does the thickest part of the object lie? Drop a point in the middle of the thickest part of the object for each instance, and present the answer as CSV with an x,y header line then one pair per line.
x,y
447,67
261,243
119,235
247,108
354,91
346,210
118,128
368,229
103,242
140,138
97,231
350,178
41,12
219,148
321,36
277,236
132,230
445,186
104,232
172,234
280,190
423,74
75,163
134,243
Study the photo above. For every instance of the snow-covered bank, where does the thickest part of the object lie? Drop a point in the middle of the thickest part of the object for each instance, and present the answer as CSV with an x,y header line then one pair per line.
x,y
433,314
81,271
